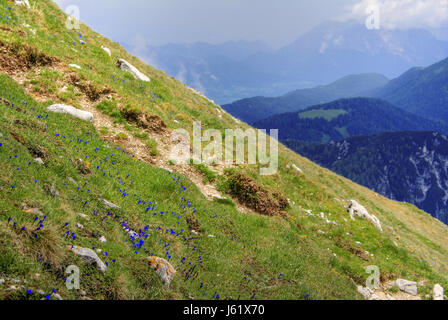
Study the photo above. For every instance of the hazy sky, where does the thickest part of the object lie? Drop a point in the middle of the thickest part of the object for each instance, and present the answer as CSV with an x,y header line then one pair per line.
x,y
276,22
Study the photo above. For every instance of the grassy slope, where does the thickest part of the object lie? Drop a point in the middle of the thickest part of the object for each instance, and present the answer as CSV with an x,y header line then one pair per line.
x,y
249,251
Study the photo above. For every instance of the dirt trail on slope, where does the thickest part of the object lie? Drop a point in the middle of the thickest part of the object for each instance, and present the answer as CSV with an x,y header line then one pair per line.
x,y
131,143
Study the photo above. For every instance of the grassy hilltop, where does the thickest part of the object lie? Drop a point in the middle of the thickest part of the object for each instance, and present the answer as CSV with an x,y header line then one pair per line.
x,y
251,245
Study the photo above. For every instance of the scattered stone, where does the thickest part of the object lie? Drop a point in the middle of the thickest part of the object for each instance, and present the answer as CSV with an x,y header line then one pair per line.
x,y
82,293
131,232
163,268
437,292
74,66
219,197
365,292
53,191
72,181
211,236
107,50
2,281
168,169
80,226
407,286
374,297
102,239
109,204
126,66
22,3
88,256
297,168
39,161
82,215
355,209
41,292
63,108
57,296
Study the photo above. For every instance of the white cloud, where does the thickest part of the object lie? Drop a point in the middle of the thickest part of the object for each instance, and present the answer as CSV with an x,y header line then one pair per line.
x,y
404,14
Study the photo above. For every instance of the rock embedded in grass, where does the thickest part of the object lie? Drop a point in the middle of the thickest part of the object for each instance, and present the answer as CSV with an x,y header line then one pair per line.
x,y
107,50
77,113
407,286
437,292
57,296
88,256
163,268
126,66
109,204
39,161
356,209
22,3
53,191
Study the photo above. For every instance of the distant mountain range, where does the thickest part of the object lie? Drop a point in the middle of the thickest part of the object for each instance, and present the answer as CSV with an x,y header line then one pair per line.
x,y
395,151
344,118
237,70
404,166
423,91
257,108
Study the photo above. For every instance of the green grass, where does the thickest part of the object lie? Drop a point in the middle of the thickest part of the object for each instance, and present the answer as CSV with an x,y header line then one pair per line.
x,y
248,253
152,145
209,175
328,115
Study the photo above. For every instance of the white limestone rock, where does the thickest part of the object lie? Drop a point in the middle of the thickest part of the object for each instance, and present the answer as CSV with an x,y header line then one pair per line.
x,y
167,169
163,268
297,168
63,108
355,209
57,296
126,66
88,256
39,161
437,292
74,66
109,204
365,292
107,50
22,3
407,286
